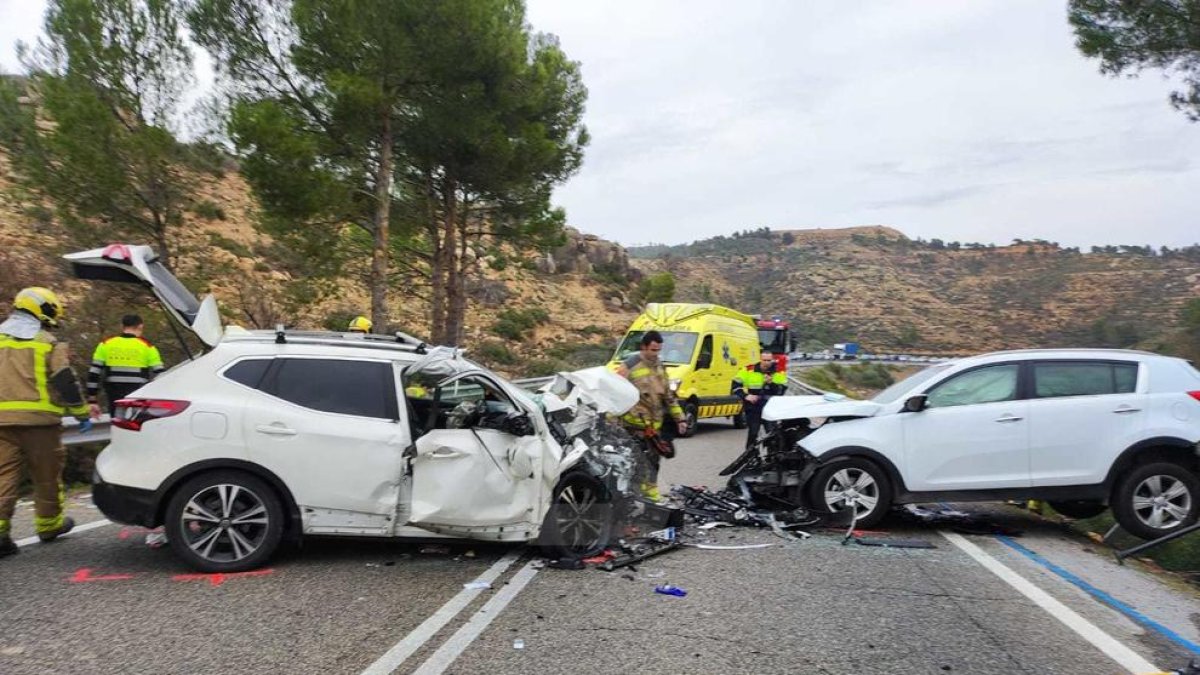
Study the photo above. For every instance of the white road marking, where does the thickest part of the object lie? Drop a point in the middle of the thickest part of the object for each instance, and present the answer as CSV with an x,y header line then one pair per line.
x,y
1116,650
78,528
416,639
454,647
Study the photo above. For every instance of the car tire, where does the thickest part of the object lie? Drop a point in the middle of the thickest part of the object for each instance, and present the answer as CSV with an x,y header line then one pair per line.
x,y
580,520
739,420
872,492
1156,499
224,521
691,415
1079,509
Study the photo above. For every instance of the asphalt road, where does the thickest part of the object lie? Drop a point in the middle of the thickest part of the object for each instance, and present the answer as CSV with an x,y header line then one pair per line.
x,y
102,601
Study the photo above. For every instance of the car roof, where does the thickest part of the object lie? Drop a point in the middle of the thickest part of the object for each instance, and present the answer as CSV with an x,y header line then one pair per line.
x,y
1066,354
327,342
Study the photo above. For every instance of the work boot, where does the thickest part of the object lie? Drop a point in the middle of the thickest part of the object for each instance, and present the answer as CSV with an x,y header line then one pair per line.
x,y
67,526
8,547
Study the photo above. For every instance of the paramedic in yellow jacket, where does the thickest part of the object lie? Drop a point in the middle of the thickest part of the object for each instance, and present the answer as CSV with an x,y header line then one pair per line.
x,y
657,401
123,363
37,387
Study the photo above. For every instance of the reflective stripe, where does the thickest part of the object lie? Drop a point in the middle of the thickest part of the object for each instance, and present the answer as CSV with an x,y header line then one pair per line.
x,y
5,527
40,351
127,379
640,372
54,522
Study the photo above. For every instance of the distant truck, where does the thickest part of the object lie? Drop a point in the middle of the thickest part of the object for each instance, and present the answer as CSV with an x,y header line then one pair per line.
x,y
845,351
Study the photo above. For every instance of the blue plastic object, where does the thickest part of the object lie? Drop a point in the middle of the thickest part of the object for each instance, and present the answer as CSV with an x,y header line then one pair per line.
x,y
668,589
85,426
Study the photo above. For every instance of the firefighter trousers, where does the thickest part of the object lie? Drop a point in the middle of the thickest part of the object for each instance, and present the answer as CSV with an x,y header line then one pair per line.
x,y
41,450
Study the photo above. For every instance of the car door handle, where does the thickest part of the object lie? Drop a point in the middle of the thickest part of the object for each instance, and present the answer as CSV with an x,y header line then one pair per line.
x,y
1009,418
1122,411
274,430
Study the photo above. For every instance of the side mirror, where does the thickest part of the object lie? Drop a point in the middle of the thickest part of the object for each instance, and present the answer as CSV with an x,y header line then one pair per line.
x,y
518,424
916,403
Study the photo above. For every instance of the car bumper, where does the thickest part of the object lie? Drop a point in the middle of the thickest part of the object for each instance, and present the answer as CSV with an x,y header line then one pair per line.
x,y
125,504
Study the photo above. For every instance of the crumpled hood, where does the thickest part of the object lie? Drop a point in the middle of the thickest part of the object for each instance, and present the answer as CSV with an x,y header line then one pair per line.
x,y
795,407
598,387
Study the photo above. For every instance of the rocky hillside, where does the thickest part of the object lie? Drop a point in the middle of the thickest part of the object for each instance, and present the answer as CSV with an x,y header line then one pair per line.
x,y
877,286
530,314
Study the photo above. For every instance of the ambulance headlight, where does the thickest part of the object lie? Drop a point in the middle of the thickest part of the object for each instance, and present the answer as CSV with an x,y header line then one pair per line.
x,y
674,384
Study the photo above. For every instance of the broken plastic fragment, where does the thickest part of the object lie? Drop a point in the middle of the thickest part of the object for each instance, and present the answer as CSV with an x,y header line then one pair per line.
x,y
518,644
668,589
477,585
723,547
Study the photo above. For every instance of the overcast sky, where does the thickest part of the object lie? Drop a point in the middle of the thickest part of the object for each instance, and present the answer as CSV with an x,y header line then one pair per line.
x,y
968,121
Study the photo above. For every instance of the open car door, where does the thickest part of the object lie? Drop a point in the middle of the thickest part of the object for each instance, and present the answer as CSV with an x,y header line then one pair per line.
x,y
478,465
140,265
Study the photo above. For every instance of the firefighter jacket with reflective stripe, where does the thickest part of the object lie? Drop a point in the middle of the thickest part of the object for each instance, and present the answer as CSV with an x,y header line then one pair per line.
x,y
37,385
657,399
125,360
754,380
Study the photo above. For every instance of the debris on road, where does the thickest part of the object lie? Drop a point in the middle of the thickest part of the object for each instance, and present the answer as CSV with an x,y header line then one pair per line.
x,y
477,585
959,521
436,549
518,644
893,543
668,589
730,547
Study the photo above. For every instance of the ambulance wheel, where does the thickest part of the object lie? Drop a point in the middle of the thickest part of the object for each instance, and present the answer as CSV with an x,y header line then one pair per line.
x,y
691,415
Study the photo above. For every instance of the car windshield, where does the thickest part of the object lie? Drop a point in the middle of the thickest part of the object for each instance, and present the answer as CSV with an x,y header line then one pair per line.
x,y
894,392
678,346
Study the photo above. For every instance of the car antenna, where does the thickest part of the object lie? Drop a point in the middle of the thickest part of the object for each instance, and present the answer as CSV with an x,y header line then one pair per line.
x,y
280,334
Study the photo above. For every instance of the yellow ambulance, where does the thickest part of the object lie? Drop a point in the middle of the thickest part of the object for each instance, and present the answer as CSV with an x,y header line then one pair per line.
x,y
704,346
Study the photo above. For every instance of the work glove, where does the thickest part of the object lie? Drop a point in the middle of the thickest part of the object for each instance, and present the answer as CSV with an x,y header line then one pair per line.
x,y
85,425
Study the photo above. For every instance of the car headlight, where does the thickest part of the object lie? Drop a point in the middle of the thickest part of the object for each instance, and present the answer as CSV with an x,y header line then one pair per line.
x,y
674,384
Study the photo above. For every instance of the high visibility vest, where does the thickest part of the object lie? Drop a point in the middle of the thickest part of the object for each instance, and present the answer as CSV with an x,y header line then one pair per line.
x,y
125,360
21,359
754,381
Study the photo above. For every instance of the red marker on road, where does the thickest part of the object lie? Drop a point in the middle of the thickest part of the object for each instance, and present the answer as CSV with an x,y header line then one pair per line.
x,y
83,575
219,578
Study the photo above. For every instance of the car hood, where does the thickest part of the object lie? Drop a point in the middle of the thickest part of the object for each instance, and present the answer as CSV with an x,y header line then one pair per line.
x,y
578,399
796,407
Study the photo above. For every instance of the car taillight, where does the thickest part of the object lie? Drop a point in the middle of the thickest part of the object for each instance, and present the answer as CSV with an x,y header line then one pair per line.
x,y
1194,394
132,413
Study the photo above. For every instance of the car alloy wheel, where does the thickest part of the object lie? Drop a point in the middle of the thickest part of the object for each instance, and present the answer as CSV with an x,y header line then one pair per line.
x,y
1162,502
580,520
225,523
852,487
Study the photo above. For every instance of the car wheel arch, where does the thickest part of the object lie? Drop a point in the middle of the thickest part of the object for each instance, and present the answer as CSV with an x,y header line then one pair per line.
x,y
1157,449
180,476
874,456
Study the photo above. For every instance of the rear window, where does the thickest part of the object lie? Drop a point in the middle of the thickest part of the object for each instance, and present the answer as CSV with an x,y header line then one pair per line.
x,y
362,388
249,372
1052,380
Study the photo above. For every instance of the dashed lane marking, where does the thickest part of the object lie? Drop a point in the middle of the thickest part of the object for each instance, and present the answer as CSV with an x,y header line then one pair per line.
x,y
458,643
396,656
1113,648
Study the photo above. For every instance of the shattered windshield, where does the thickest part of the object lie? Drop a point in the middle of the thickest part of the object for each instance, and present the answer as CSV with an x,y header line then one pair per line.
x,y
910,383
678,346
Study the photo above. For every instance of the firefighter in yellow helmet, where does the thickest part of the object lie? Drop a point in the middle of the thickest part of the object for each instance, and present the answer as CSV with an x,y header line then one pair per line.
x,y
360,324
37,387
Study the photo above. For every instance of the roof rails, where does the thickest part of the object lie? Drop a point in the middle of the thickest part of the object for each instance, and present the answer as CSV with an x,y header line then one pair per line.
x,y
399,339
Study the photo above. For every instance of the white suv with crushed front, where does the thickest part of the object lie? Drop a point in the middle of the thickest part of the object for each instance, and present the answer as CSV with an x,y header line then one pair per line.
x,y
1084,429
276,434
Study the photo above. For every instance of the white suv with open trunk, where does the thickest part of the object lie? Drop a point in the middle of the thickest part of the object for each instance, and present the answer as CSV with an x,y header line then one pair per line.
x,y
270,434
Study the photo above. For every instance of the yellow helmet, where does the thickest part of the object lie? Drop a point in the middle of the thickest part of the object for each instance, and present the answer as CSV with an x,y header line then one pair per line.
x,y
40,302
360,324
